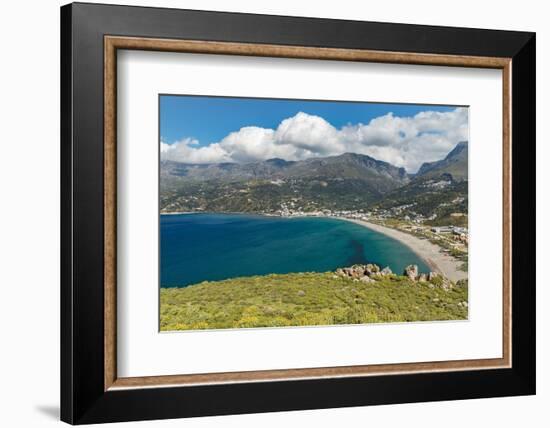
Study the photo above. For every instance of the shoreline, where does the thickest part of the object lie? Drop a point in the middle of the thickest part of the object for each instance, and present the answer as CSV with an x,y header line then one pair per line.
x,y
430,253
177,212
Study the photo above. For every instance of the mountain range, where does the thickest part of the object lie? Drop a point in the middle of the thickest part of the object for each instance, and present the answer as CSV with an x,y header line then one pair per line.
x,y
376,174
455,164
348,181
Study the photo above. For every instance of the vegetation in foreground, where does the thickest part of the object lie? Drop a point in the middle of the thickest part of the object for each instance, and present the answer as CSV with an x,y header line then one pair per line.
x,y
307,299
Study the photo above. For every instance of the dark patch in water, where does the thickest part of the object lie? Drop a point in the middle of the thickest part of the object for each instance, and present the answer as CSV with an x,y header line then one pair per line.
x,y
358,256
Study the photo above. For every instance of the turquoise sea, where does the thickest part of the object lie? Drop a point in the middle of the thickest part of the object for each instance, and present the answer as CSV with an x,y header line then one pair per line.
x,y
200,247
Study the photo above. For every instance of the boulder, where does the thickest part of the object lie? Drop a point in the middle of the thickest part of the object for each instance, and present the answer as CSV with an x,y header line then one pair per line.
x,y
366,279
348,271
358,270
386,271
440,281
411,272
423,277
361,271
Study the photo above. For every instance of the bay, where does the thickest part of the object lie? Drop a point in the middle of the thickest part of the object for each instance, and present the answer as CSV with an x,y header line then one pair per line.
x,y
211,247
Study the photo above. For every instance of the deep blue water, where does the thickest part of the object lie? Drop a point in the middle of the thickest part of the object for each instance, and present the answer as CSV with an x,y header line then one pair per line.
x,y
199,247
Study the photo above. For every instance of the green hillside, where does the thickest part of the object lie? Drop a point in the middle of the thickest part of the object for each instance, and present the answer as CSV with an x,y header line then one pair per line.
x,y
348,181
301,299
265,196
427,199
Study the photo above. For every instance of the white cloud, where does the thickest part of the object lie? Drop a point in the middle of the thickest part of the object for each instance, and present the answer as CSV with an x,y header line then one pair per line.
x,y
307,133
402,141
184,151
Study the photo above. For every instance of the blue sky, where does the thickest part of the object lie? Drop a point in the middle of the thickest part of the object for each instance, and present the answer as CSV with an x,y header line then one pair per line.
x,y
196,129
209,119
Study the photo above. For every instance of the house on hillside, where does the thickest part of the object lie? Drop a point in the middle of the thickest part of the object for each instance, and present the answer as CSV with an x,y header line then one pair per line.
x,y
442,229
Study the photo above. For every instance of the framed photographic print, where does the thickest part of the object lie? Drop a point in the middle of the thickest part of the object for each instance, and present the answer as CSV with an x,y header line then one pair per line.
x,y
265,213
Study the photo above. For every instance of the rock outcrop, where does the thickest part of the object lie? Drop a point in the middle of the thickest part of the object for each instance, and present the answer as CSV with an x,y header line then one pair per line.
x,y
371,272
386,271
438,280
411,272
365,273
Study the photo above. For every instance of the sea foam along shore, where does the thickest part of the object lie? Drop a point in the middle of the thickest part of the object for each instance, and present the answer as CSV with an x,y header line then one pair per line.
x,y
430,253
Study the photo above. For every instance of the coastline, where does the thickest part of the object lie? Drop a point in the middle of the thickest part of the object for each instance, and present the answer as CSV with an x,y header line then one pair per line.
x,y
430,253
177,212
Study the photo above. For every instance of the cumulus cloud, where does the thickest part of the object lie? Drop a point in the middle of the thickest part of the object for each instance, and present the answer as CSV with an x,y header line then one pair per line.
x,y
402,141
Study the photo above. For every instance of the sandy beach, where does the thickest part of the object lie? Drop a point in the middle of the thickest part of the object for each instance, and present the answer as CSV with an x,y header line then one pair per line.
x,y
430,253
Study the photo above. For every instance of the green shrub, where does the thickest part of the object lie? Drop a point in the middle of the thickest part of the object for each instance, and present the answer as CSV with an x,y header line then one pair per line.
x,y
275,301
437,281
